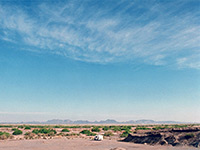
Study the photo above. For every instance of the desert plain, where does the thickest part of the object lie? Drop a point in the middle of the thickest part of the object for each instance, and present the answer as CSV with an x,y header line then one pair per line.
x,y
116,137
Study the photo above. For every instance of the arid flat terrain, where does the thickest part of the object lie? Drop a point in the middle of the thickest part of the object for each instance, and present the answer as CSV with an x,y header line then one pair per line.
x,y
80,144
116,137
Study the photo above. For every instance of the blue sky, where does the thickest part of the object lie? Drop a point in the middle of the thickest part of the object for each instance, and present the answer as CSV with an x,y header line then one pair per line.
x,y
95,60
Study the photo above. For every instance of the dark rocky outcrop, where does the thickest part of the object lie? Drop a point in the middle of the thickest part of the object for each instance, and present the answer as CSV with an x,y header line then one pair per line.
x,y
170,140
174,137
149,139
181,130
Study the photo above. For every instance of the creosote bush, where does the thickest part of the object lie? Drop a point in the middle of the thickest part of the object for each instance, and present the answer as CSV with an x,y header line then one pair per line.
x,y
13,129
44,131
65,130
88,133
17,132
27,128
116,128
125,134
142,128
4,135
6,126
95,129
21,127
105,128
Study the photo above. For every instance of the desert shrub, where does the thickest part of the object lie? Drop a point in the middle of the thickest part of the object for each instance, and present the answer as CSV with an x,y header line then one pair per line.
x,y
116,128
158,128
86,126
36,131
58,126
87,132
21,127
95,129
142,128
72,134
13,129
179,126
51,133
6,126
4,135
126,127
74,126
109,133
27,128
105,128
38,126
65,130
17,132
44,131
125,134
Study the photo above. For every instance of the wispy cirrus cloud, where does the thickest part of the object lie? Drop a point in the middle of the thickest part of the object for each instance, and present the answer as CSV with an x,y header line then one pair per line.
x,y
154,33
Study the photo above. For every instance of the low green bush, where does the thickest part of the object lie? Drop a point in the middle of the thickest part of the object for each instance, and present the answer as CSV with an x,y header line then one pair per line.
x,y
95,129
86,126
88,133
116,128
74,126
142,128
13,129
4,135
21,127
27,128
180,126
44,131
6,126
126,127
125,134
105,128
65,130
58,126
17,132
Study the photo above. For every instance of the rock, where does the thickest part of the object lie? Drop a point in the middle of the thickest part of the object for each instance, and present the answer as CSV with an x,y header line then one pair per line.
x,y
98,138
189,129
196,144
163,142
195,141
141,139
176,144
170,139
175,137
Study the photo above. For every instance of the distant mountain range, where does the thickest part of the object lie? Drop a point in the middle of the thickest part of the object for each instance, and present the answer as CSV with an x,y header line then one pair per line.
x,y
108,121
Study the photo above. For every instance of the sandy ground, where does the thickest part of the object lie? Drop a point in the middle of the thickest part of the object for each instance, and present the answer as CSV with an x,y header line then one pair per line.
x,y
79,144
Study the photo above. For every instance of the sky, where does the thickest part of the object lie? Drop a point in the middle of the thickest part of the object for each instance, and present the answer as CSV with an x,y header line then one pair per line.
x,y
97,60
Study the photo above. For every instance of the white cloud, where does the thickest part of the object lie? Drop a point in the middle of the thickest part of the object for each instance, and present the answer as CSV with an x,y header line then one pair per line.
x,y
102,36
